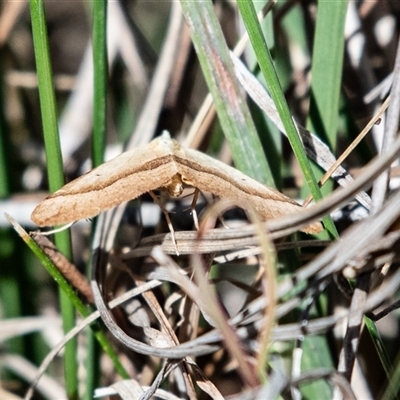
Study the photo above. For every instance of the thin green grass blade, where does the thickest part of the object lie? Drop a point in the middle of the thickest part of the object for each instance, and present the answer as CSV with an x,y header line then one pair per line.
x,y
229,98
12,288
326,74
326,70
392,389
46,95
265,62
55,173
70,292
315,352
264,58
4,186
100,82
100,70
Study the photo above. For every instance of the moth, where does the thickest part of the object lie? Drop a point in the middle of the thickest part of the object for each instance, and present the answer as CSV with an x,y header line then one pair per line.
x,y
162,164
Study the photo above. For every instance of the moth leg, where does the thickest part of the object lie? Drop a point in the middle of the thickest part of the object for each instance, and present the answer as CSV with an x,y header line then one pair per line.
x,y
56,230
193,208
167,218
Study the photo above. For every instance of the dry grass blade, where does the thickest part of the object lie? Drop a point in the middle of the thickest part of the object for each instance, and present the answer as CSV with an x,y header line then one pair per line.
x,y
140,347
79,327
379,190
48,386
12,328
70,272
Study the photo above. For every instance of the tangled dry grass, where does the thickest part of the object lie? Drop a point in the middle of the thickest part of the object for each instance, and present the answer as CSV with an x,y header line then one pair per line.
x,y
238,308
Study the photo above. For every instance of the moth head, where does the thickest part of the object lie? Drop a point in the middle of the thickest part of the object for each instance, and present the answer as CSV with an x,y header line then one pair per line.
x,y
175,188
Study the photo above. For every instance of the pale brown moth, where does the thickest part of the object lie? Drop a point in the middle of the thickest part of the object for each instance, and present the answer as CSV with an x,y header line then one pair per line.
x,y
162,164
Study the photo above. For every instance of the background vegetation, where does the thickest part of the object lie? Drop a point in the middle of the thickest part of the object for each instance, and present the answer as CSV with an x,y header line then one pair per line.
x,y
281,314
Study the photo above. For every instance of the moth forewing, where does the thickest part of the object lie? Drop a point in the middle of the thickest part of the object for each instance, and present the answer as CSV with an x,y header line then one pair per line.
x,y
208,174
121,179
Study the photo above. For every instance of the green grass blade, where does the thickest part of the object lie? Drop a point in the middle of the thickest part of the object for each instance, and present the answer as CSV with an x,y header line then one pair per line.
x,y
4,176
46,95
326,70
100,70
392,389
229,98
70,292
264,58
55,172
326,74
265,62
100,82
316,355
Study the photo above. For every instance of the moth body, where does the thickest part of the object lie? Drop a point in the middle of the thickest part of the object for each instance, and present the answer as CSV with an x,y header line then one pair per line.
x,y
163,163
